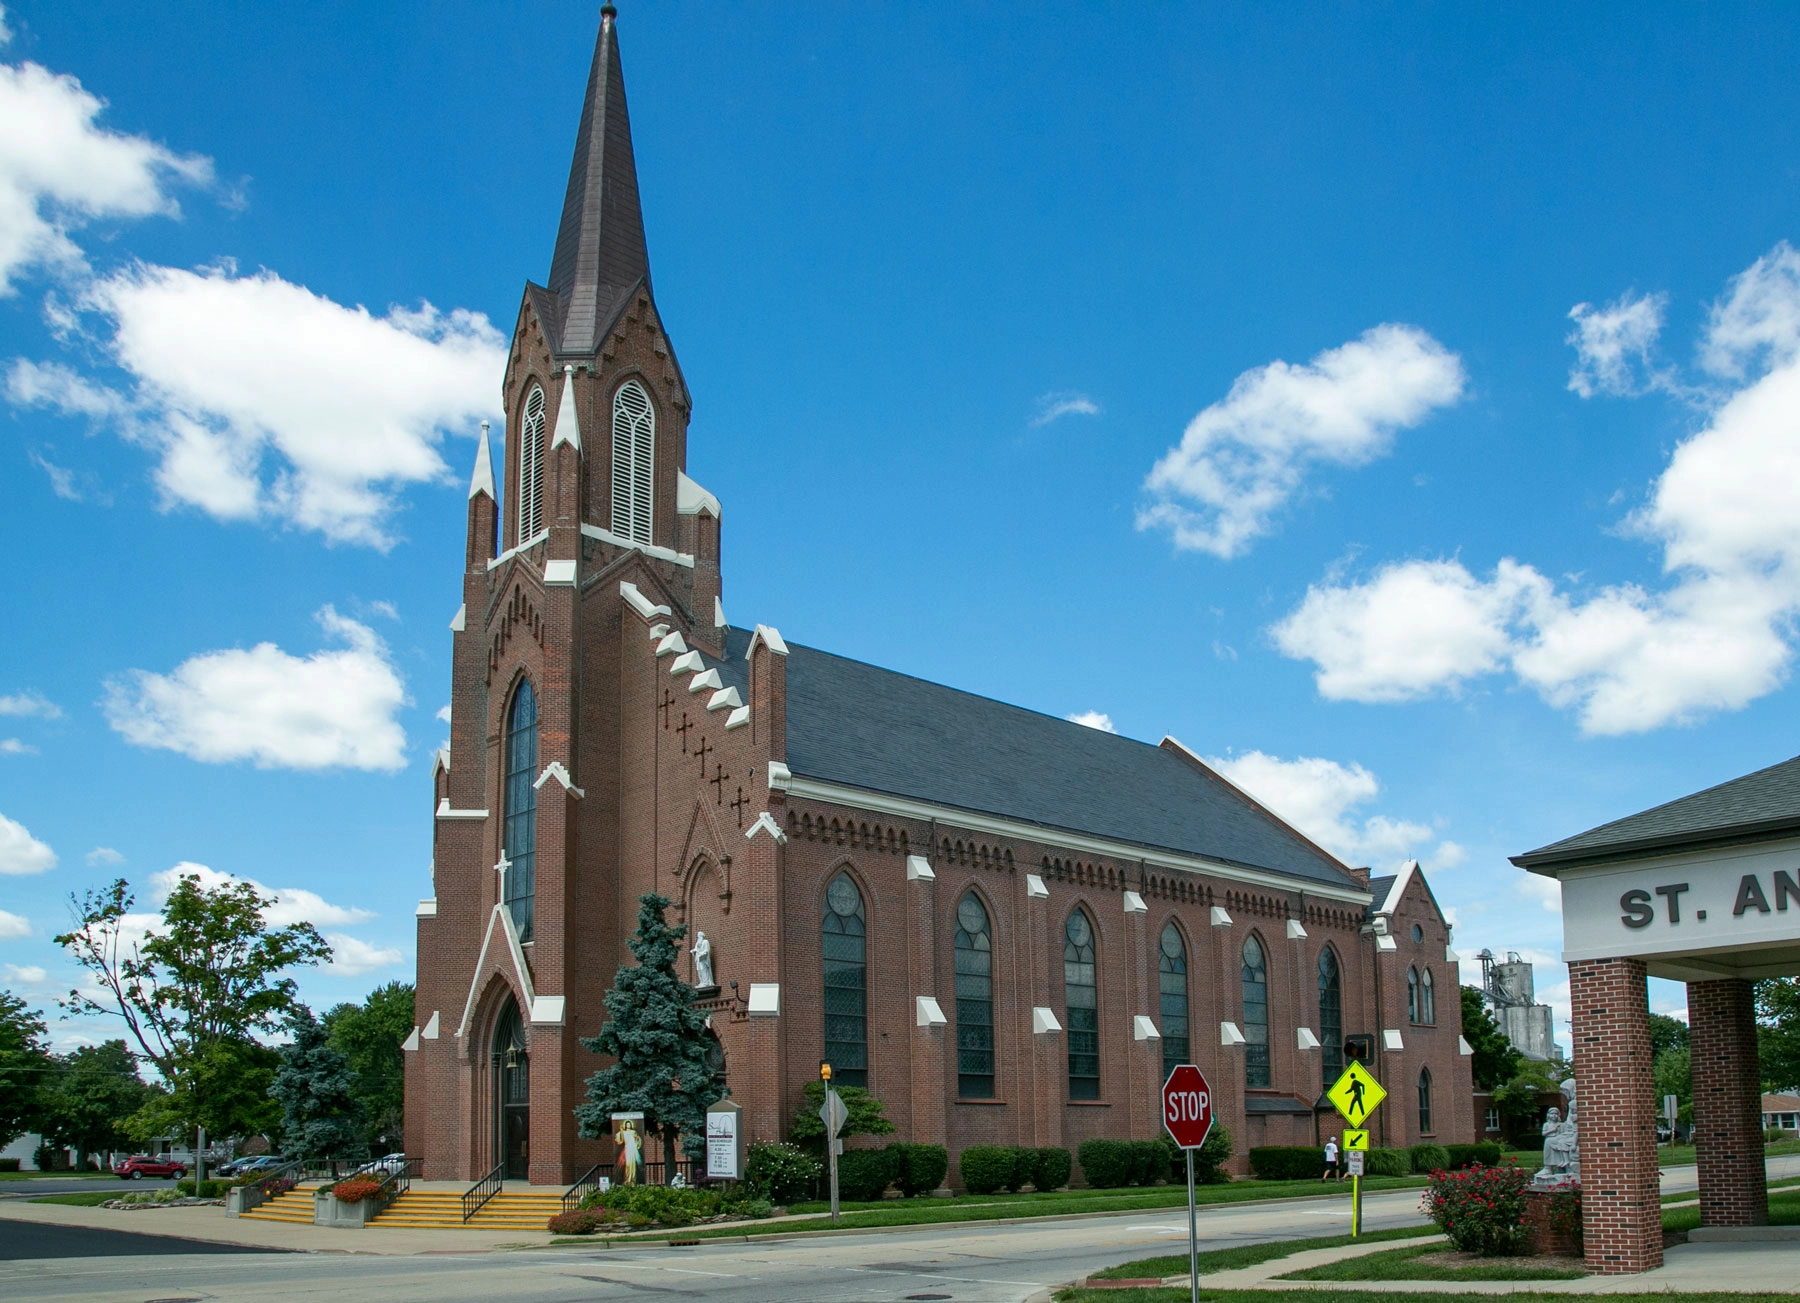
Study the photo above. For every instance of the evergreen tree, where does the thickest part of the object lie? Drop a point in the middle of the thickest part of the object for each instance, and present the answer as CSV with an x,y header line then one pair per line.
x,y
658,1043
1495,1060
321,1116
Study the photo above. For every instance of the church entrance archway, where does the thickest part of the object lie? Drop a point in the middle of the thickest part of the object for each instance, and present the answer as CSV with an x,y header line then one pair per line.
x,y
512,1093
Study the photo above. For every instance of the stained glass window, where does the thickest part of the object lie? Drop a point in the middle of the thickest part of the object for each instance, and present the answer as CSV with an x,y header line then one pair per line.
x,y
520,827
974,1001
846,983
1082,1004
1171,968
1256,1016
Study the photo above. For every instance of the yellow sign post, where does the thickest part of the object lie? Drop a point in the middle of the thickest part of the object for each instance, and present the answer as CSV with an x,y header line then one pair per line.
x,y
1356,1095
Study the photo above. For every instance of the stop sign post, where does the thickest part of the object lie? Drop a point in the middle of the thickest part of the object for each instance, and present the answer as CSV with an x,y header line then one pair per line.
x,y
1188,1115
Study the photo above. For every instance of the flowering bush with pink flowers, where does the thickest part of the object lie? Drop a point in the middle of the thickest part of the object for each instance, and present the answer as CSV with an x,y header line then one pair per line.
x,y
1481,1209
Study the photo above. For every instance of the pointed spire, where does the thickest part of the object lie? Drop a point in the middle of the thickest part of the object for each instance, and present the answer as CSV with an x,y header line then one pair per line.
x,y
568,429
600,253
482,481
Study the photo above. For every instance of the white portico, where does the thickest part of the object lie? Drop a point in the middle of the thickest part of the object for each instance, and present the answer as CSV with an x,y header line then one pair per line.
x,y
1704,890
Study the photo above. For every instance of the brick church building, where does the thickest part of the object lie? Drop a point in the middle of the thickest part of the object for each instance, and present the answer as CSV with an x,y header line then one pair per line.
x,y
1007,926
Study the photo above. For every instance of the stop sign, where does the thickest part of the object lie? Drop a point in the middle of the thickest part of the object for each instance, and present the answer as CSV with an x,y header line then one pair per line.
x,y
1187,1106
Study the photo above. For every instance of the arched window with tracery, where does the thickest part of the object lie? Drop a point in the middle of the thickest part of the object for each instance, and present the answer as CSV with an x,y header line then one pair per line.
x,y
1331,1016
634,461
1427,998
519,829
974,1001
1081,1004
1172,982
1412,995
846,983
1256,1016
530,489
1424,1101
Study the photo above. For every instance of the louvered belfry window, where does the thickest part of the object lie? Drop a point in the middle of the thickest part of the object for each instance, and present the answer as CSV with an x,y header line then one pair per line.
x,y
634,460
531,467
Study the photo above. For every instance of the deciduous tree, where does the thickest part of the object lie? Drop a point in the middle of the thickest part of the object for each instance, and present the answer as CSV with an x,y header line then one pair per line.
x,y
1778,1032
25,1066
369,1035
93,1091
1495,1061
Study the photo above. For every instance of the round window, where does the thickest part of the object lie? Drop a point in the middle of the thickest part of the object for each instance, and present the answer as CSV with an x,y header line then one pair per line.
x,y
1078,930
1418,934
971,915
842,897
1171,943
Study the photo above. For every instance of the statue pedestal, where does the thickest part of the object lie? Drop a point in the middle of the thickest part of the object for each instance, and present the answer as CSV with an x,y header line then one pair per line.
x,y
1553,1220
707,992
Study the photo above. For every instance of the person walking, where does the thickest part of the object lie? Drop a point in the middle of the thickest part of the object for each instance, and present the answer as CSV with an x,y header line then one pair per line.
x,y
1331,1161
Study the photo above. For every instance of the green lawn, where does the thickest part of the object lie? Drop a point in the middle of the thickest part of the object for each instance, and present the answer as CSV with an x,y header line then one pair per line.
x,y
57,1176
1784,1210
1242,1255
1057,1202
86,1199
1416,1263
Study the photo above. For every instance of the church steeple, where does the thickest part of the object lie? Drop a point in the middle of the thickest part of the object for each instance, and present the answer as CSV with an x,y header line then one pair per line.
x,y
600,252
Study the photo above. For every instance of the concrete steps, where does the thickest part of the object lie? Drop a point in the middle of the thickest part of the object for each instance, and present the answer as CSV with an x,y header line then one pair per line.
x,y
442,1210
295,1207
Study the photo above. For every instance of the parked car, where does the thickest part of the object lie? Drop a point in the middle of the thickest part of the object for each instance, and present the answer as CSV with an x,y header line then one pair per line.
x,y
386,1165
138,1166
249,1166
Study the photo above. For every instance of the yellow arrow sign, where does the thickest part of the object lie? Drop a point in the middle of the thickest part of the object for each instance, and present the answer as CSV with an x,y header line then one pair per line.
x,y
1357,1140
1356,1094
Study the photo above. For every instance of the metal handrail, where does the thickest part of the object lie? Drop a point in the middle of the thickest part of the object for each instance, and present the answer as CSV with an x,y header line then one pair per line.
x,y
588,1180
289,1171
397,1182
483,1190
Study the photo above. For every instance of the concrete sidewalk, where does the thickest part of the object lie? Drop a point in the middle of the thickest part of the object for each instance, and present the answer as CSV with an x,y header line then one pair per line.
x,y
1749,1268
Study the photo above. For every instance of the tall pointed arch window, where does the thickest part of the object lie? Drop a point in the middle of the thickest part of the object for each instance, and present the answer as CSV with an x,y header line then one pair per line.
x,y
1424,1101
1427,998
530,490
520,827
1256,1015
1081,998
846,983
1412,995
633,461
1171,980
974,1000
1331,1016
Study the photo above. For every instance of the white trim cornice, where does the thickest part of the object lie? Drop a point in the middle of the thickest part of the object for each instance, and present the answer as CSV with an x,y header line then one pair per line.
x,y
802,788
445,812
648,549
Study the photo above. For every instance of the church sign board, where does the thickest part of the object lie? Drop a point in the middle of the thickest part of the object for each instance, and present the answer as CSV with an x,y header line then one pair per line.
x,y
1735,899
724,1142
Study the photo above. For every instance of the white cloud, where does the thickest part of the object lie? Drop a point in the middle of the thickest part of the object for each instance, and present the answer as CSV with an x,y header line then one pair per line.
x,y
30,703
333,708
20,852
1052,407
11,746
104,855
1322,798
5,31
1612,345
352,958
13,926
1544,892
265,401
1626,658
29,974
387,609
1093,719
60,170
444,712
289,905
1448,855
1243,457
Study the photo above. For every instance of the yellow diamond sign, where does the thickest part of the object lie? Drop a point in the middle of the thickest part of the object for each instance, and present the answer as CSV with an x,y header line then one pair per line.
x,y
1356,1094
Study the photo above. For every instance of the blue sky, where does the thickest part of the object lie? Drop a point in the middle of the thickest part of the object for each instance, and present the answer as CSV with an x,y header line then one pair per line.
x,y
1400,404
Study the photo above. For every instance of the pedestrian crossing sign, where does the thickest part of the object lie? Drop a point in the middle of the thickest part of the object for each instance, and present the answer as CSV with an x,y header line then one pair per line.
x,y
1355,1141
1356,1094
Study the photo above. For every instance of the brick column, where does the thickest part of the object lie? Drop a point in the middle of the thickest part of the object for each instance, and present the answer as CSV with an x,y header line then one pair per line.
x,y
1727,1104
1621,1205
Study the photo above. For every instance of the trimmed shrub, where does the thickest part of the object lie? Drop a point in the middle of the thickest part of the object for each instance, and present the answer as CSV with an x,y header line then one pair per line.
x,y
1052,1169
1389,1162
583,1221
1105,1164
1287,1162
1481,1210
1149,1161
985,1169
352,1191
865,1174
1427,1159
922,1167
782,1172
9,1164
1483,1152
1772,1134
645,1205
1210,1158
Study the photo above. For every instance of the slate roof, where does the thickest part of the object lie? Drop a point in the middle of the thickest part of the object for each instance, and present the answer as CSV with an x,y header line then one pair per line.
x,y
866,727
1763,804
600,257
1381,887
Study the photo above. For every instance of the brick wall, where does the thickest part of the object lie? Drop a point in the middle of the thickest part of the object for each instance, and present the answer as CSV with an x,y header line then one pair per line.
x,y
1727,1104
1621,1204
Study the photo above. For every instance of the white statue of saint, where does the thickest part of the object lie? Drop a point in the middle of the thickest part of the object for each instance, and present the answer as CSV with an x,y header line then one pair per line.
x,y
1562,1146
702,953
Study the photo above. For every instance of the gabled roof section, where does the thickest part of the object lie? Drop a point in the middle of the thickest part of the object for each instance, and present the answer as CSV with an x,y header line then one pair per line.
x,y
861,726
1759,805
600,256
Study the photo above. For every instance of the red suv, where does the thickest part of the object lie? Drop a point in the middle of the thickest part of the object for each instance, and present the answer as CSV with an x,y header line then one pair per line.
x,y
138,1166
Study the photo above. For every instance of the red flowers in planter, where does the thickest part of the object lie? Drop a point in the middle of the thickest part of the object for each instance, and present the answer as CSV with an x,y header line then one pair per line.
x,y
356,1190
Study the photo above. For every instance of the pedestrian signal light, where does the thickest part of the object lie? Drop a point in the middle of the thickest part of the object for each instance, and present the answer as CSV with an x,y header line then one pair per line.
x,y
824,1071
